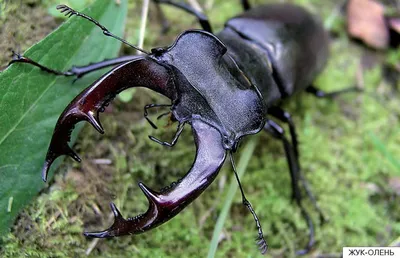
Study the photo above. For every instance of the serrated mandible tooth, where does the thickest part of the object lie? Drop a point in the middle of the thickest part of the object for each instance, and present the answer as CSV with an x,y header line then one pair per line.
x,y
151,195
70,152
94,120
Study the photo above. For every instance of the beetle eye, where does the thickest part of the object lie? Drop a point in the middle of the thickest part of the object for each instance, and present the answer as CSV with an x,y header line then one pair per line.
x,y
157,50
227,142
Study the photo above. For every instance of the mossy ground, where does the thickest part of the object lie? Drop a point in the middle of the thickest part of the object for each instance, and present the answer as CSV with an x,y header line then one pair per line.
x,y
349,151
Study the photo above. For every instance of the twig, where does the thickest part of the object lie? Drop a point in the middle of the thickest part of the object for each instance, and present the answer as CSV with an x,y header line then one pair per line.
x,y
209,4
195,5
102,161
95,241
145,12
92,245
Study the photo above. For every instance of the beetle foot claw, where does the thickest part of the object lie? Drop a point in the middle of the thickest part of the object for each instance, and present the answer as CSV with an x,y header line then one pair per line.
x,y
16,56
262,244
67,10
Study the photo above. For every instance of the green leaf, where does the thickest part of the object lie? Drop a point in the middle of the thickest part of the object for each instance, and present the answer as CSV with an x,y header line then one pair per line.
x,y
32,100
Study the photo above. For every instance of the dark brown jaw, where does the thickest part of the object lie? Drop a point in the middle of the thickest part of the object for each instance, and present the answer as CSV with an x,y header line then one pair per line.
x,y
165,205
141,72
162,205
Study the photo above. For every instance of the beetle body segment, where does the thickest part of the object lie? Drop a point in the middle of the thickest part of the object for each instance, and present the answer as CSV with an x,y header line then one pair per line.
x,y
293,40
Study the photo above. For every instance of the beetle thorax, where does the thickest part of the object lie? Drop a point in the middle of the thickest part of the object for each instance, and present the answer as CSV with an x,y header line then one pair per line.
x,y
209,88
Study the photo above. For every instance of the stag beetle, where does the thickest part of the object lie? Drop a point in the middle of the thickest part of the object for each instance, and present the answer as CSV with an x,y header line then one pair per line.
x,y
225,86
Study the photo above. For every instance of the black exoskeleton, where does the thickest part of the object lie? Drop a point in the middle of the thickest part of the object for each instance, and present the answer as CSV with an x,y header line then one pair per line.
x,y
225,86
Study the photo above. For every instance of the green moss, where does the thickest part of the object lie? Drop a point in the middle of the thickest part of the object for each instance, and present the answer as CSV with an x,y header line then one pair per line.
x,y
348,147
393,57
22,24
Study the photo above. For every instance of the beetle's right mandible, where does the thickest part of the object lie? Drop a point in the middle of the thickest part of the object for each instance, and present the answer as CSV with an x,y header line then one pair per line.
x,y
142,72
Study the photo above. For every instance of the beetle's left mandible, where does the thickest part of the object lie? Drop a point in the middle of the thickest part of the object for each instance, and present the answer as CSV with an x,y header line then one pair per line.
x,y
210,156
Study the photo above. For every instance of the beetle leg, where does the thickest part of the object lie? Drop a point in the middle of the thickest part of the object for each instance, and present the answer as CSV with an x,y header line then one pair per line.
x,y
276,131
89,103
177,134
246,5
164,114
77,71
201,17
147,107
262,244
287,118
17,58
80,71
321,94
164,22
164,205
69,12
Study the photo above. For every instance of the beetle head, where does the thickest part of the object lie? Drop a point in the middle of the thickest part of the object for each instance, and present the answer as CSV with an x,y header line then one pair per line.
x,y
211,87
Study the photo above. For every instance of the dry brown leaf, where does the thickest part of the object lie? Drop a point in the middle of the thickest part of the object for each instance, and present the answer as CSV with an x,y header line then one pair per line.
x,y
394,23
365,21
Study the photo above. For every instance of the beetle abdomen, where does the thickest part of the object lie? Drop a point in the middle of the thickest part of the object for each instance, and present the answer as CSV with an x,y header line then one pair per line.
x,y
295,41
254,63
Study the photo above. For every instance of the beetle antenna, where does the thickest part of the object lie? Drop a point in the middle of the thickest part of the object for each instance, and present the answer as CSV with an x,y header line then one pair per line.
x,y
262,244
69,12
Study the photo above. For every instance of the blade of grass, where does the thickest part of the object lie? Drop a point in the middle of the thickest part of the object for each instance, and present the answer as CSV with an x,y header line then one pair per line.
x,y
145,14
127,95
380,146
247,152
395,242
